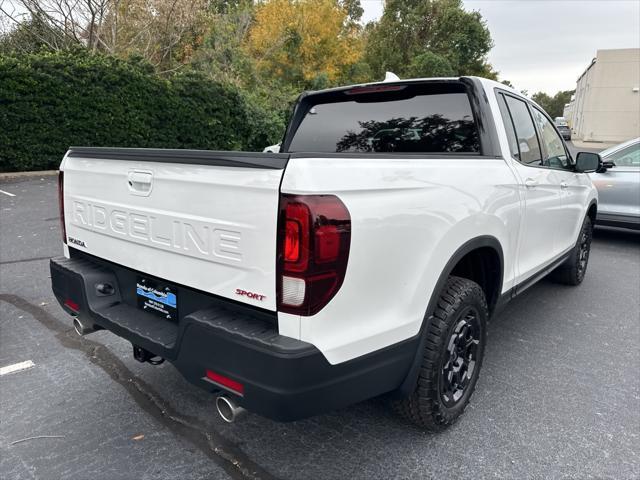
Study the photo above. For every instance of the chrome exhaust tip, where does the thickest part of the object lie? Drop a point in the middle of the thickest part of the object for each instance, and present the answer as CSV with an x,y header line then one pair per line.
x,y
83,328
228,409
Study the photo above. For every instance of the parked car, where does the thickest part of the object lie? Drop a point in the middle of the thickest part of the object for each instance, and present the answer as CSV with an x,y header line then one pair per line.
x,y
565,131
560,121
340,269
618,184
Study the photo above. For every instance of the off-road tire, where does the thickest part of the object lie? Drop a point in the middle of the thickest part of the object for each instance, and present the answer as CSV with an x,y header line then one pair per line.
x,y
426,406
572,271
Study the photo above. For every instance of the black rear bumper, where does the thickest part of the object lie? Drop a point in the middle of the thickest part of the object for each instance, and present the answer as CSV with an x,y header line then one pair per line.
x,y
283,378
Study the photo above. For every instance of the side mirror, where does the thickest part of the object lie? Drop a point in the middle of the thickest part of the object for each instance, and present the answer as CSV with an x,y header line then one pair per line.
x,y
587,162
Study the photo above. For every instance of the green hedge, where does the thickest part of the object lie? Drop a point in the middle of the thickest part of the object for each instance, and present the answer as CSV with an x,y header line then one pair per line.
x,y
50,101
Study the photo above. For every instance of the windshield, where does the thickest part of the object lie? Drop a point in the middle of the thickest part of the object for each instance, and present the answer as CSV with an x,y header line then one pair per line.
x,y
620,146
626,157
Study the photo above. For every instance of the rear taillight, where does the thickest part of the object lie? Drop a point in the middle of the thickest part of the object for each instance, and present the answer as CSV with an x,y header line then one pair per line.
x,y
61,205
314,236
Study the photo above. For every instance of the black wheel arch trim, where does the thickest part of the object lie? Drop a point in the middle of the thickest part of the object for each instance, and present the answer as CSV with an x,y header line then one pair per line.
x,y
475,243
593,203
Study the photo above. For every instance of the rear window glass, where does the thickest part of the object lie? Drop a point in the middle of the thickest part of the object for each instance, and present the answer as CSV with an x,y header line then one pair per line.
x,y
417,118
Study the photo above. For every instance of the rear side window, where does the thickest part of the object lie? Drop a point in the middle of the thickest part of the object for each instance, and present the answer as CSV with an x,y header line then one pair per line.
x,y
508,126
411,118
528,146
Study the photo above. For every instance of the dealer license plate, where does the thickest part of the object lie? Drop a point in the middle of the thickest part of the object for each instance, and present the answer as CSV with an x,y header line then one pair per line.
x,y
156,298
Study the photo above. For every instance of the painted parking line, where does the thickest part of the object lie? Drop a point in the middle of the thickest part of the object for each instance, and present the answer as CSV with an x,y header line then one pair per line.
x,y
16,367
7,193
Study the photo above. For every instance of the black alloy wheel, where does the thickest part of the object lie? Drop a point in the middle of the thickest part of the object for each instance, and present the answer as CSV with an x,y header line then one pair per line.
x,y
459,362
451,357
583,252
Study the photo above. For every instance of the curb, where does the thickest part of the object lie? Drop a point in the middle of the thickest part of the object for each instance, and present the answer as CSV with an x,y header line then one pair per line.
x,y
39,173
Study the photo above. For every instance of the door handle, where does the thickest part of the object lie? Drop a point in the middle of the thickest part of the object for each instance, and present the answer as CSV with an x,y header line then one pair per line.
x,y
530,183
564,185
142,178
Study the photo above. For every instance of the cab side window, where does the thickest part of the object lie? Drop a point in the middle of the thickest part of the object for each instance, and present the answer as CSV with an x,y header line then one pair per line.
x,y
555,156
528,146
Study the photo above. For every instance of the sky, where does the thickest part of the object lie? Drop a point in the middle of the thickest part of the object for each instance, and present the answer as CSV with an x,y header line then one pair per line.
x,y
545,45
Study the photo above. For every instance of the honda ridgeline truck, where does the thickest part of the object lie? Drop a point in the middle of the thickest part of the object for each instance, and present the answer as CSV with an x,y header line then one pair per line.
x,y
363,259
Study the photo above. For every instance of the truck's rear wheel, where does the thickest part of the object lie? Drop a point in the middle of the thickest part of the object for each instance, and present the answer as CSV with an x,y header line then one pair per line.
x,y
452,357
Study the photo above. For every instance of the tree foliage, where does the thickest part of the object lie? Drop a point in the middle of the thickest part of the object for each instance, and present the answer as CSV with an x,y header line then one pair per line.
x,y
221,54
554,106
299,41
34,35
223,57
426,37
203,73
51,101
429,64
295,43
439,134
163,32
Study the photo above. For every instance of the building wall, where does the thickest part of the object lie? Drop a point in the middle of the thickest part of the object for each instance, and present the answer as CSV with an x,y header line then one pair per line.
x,y
568,113
606,106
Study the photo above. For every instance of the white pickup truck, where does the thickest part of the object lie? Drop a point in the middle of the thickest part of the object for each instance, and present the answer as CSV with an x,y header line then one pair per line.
x,y
363,259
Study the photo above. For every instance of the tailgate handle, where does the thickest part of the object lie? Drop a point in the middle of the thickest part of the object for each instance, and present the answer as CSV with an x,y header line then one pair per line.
x,y
140,182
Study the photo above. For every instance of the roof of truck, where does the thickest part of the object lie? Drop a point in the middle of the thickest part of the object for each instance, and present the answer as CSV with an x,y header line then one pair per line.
x,y
485,81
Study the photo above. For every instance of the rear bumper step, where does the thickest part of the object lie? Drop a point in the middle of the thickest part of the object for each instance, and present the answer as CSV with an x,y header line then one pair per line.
x,y
283,378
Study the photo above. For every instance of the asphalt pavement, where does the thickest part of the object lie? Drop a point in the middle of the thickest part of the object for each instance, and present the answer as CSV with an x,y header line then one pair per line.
x,y
558,396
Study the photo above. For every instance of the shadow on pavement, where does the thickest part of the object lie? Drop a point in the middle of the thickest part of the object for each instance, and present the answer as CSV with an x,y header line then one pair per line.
x,y
620,236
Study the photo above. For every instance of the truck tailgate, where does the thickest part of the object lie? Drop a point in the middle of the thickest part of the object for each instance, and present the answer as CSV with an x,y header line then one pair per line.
x,y
206,220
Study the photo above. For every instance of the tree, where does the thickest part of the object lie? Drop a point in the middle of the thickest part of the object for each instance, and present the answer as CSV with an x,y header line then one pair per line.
x,y
353,8
427,37
59,23
554,106
429,64
221,54
34,35
163,32
222,57
300,42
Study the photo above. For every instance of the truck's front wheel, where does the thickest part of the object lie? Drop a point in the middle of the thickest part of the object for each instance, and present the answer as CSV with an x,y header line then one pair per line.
x,y
452,357
572,272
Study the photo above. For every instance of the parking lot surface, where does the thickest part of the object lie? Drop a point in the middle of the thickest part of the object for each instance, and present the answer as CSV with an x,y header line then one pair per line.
x,y
558,396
